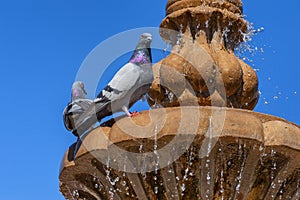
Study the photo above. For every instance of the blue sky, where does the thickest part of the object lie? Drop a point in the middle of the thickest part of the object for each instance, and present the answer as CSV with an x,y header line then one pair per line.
x,y
42,45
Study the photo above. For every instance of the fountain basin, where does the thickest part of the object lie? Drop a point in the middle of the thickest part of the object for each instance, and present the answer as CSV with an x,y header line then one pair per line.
x,y
186,153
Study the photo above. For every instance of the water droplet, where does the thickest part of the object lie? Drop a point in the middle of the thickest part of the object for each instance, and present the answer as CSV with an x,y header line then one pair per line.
x,y
96,186
208,178
275,97
166,48
261,29
123,183
186,170
273,185
183,187
261,148
75,193
156,190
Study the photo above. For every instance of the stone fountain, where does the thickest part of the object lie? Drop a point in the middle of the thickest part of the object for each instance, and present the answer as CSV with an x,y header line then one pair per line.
x,y
203,141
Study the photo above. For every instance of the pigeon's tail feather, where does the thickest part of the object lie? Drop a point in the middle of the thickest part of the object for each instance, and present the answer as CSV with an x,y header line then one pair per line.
x,y
102,108
98,110
73,111
85,125
67,122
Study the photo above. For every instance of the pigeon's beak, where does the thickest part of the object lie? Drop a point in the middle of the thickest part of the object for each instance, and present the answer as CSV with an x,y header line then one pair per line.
x,y
84,91
146,37
149,39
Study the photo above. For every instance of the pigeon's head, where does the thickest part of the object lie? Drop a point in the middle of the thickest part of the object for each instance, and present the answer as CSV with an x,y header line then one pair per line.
x,y
78,91
145,40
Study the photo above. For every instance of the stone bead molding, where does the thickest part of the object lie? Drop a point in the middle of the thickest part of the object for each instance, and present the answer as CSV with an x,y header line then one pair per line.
x,y
232,6
208,16
255,156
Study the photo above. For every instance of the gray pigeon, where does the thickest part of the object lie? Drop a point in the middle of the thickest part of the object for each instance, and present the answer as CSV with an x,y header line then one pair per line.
x,y
78,105
128,85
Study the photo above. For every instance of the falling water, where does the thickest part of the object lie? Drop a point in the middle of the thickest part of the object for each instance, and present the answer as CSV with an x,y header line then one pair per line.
x,y
144,166
245,47
273,170
75,194
167,48
222,182
179,38
170,96
242,155
225,33
207,24
208,178
156,160
210,135
274,167
297,195
112,182
222,178
156,104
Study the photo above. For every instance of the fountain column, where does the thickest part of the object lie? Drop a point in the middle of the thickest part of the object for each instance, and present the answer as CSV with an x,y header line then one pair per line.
x,y
204,34
204,142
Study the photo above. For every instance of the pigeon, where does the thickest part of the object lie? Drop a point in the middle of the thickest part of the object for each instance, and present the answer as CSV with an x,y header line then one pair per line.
x,y
78,105
127,86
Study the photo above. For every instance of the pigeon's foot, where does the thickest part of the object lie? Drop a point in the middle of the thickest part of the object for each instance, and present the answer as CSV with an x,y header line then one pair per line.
x,y
135,113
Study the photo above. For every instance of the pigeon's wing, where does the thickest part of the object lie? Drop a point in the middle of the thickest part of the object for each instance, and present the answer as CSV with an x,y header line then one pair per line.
x,y
77,107
126,77
124,80
73,111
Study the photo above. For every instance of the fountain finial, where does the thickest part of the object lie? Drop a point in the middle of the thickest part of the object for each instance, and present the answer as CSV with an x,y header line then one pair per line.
x,y
202,64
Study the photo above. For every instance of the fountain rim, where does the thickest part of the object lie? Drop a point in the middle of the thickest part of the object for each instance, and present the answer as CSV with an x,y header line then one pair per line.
x,y
264,118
